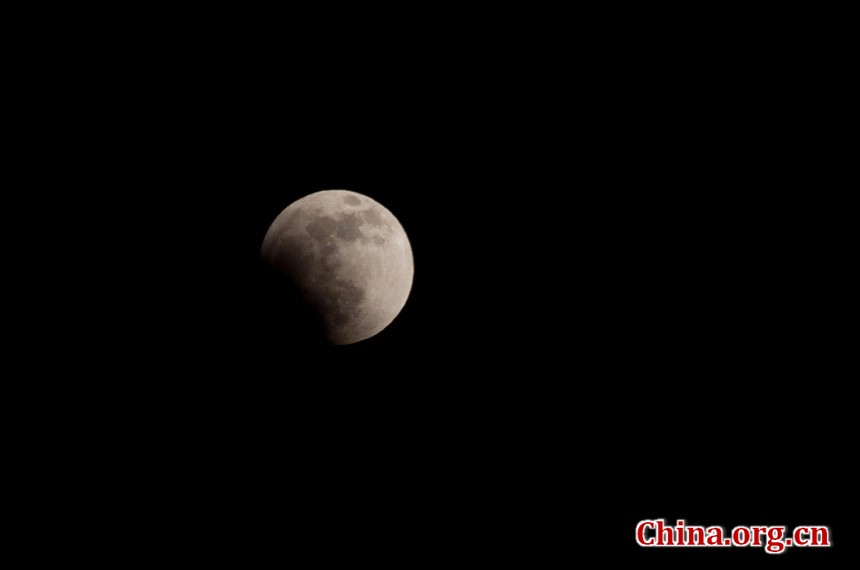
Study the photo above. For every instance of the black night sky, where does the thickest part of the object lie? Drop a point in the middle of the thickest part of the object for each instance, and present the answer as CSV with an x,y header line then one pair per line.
x,y
629,266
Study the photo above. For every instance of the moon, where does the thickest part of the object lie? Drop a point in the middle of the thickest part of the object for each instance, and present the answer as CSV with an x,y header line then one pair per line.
x,y
348,257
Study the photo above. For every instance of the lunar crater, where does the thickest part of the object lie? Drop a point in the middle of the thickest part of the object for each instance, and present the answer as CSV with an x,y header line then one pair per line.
x,y
321,228
349,228
373,218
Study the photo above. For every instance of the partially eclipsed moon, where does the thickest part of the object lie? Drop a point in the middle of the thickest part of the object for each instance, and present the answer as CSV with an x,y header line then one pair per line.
x,y
349,258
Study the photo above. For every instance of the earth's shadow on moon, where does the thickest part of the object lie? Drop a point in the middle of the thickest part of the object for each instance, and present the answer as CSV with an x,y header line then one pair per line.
x,y
290,321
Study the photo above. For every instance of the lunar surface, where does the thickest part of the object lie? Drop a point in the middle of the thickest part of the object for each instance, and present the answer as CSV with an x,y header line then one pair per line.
x,y
349,258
